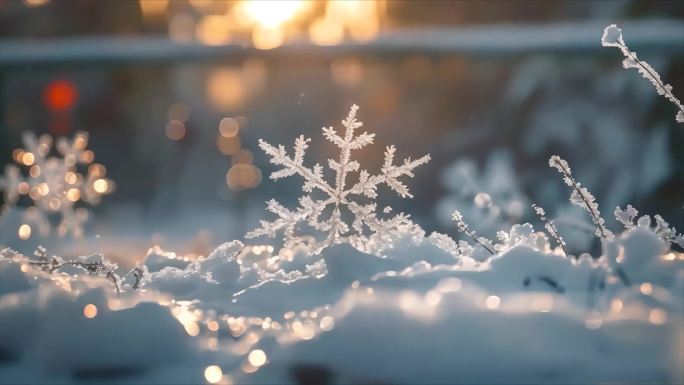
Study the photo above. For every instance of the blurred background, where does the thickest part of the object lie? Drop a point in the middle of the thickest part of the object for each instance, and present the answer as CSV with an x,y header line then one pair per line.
x,y
175,94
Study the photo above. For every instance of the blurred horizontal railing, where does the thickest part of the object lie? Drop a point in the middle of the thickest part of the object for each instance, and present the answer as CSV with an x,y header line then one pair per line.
x,y
662,36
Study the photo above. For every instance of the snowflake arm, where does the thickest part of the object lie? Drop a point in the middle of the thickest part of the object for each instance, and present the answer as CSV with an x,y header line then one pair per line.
x,y
392,172
291,166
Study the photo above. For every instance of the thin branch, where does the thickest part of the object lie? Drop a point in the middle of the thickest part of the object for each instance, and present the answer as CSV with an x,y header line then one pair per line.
x,y
550,227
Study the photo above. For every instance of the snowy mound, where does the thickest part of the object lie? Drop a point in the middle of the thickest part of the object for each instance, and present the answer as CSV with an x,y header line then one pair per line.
x,y
80,329
416,313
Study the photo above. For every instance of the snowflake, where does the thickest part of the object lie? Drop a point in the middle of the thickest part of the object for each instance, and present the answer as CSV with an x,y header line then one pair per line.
x,y
612,37
54,184
367,231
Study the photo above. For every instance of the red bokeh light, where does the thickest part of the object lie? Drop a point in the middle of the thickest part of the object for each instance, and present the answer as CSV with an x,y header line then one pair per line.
x,y
60,95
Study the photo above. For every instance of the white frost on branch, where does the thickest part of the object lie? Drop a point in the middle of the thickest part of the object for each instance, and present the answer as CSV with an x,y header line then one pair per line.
x,y
612,37
581,197
463,227
628,218
550,227
366,231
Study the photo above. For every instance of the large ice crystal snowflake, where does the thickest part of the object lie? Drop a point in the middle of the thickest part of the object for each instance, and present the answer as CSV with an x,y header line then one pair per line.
x,y
54,184
340,205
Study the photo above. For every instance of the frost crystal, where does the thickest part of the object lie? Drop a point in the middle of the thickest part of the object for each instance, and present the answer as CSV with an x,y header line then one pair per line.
x,y
581,197
446,243
54,184
367,230
612,37
662,228
550,227
521,235
94,264
627,216
465,229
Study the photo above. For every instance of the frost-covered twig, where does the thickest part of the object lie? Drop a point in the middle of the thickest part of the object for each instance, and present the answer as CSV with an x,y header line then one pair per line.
x,y
581,197
465,229
93,264
550,227
612,37
628,218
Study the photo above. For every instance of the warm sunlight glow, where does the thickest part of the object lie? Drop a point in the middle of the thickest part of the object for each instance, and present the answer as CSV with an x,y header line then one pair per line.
x,y
646,288
257,357
175,130
90,311
268,38
492,302
225,89
657,316
213,30
213,326
28,158
327,323
326,31
35,3
153,8
24,232
101,186
229,127
270,13
213,374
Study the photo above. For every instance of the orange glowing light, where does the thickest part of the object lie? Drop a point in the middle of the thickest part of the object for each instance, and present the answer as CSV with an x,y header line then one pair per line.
x,y
347,72
213,30
270,13
268,38
213,374
35,3
228,146
257,357
60,95
153,8
243,157
229,127
175,130
225,89
326,31
24,232
182,27
90,311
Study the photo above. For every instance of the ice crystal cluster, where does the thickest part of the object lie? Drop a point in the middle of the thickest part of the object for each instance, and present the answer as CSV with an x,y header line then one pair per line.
x,y
581,197
54,185
343,202
93,264
612,37
628,218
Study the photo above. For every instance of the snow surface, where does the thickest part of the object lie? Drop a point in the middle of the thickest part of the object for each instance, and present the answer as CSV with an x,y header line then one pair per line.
x,y
419,314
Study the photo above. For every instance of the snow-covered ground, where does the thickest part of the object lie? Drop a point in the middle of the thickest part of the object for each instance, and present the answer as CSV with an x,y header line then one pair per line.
x,y
418,315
